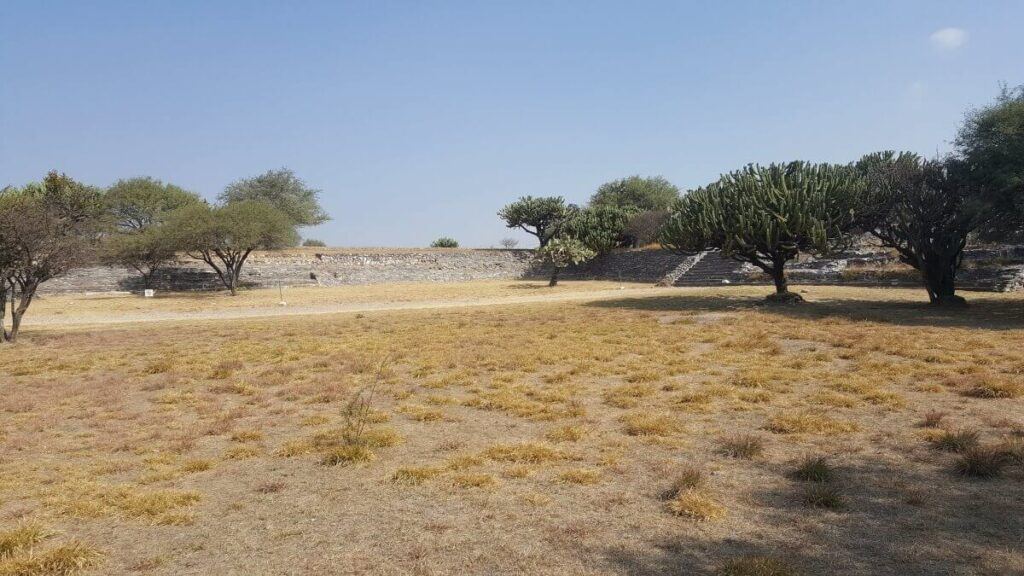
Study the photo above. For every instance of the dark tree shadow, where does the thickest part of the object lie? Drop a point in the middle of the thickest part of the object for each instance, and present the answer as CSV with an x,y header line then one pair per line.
x,y
983,312
893,522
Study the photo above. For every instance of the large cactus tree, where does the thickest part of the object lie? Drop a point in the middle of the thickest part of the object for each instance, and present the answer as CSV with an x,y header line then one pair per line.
x,y
768,215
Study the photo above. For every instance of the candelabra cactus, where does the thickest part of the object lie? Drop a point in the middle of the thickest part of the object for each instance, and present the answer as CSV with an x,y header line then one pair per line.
x,y
768,215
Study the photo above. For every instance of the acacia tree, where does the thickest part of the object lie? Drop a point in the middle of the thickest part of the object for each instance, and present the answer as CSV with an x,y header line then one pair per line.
x,y
45,230
224,236
925,210
768,215
562,252
636,194
138,209
541,217
146,251
135,204
283,190
991,145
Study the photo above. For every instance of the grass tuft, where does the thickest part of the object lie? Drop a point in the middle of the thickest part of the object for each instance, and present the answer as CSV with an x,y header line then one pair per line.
x,y
697,505
981,462
524,453
932,419
566,434
756,566
21,537
474,481
64,560
414,475
744,446
645,424
688,478
580,476
346,455
820,495
806,422
813,469
955,440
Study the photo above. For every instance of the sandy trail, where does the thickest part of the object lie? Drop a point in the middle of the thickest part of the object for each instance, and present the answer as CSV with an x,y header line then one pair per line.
x,y
340,308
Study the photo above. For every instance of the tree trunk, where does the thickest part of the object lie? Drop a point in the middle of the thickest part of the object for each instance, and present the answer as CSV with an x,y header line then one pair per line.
x,y
3,309
779,277
28,291
782,294
554,278
940,282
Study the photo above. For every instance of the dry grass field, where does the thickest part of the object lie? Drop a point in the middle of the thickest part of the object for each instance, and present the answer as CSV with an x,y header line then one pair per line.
x,y
689,431
86,308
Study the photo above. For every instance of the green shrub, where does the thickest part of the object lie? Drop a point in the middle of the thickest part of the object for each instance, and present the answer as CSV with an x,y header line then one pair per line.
x,y
445,242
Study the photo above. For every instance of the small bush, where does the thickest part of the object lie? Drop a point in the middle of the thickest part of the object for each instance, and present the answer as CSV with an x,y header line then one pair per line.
x,y
955,440
813,469
981,462
313,243
756,566
445,242
742,446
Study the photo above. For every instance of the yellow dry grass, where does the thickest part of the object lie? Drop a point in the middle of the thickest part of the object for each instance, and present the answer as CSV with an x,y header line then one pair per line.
x,y
533,438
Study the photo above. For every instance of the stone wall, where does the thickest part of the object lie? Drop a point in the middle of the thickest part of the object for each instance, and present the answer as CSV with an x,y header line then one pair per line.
x,y
987,268
308,267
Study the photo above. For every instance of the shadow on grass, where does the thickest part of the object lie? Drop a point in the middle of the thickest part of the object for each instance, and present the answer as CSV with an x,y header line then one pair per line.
x,y
982,312
893,522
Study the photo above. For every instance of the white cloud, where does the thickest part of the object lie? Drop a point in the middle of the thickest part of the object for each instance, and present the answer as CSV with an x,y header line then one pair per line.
x,y
949,38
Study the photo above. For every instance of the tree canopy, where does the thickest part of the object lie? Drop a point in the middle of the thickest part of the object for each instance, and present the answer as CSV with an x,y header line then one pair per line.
x,y
540,217
561,252
283,190
926,210
224,236
135,203
768,215
991,144
45,230
600,228
636,193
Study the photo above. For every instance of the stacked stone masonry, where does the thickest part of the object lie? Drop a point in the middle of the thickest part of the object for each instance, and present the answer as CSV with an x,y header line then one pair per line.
x,y
989,268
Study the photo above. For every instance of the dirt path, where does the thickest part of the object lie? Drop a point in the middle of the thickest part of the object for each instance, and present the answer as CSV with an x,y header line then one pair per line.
x,y
263,312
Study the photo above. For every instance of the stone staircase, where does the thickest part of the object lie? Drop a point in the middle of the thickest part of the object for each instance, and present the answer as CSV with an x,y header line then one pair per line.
x,y
713,269
682,268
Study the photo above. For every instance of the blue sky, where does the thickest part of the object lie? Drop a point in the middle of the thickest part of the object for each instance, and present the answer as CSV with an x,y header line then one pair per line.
x,y
421,119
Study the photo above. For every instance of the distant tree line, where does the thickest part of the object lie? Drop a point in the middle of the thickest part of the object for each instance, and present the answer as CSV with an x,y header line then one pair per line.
x,y
50,227
926,210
